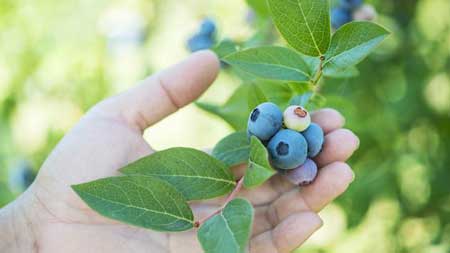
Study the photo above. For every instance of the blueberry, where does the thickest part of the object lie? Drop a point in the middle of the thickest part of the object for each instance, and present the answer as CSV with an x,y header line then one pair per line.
x,y
199,42
208,27
22,176
367,12
265,121
351,4
250,17
303,174
296,118
204,38
314,137
340,17
287,149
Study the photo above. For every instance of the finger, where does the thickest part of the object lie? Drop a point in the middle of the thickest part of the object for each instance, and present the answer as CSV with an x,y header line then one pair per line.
x,y
182,242
165,92
331,182
239,171
288,235
339,145
267,192
328,119
261,223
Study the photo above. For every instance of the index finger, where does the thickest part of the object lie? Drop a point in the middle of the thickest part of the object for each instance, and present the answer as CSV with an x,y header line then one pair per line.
x,y
165,92
328,119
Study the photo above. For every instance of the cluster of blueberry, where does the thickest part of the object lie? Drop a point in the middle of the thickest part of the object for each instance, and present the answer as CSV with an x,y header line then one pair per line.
x,y
291,139
204,38
349,10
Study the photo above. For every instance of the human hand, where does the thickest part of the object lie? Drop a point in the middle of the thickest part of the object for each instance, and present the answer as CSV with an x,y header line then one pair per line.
x,y
49,216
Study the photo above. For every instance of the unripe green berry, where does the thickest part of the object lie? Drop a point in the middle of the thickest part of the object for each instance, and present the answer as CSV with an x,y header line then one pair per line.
x,y
296,118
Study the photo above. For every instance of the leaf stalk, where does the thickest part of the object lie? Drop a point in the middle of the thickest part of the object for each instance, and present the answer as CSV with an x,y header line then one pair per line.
x,y
319,72
230,197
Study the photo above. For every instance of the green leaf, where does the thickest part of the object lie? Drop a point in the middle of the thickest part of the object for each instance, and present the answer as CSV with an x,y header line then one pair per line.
x,y
271,62
259,169
235,111
347,73
312,101
313,64
304,24
351,44
301,100
300,88
141,201
255,96
260,7
277,92
317,101
246,77
229,231
233,149
194,173
225,47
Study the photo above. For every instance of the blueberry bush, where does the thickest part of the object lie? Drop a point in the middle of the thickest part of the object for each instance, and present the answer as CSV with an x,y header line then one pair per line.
x,y
162,184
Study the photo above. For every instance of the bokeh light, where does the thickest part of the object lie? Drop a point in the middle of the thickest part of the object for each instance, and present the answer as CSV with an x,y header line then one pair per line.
x,y
437,93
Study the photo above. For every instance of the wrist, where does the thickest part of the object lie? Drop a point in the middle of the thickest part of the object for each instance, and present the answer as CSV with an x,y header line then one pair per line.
x,y
16,227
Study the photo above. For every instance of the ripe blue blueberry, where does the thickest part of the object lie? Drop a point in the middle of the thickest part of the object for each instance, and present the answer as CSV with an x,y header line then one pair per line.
x,y
296,118
287,149
340,17
314,137
250,17
303,174
351,4
22,176
199,42
208,27
265,121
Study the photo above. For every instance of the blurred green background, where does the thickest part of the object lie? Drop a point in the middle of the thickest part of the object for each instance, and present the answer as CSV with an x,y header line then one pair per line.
x,y
58,58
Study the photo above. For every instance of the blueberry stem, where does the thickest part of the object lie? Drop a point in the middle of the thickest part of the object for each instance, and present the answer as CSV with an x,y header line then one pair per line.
x,y
319,73
230,197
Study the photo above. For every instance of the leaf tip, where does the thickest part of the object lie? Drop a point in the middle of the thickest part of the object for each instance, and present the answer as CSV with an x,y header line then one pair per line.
x,y
77,188
125,170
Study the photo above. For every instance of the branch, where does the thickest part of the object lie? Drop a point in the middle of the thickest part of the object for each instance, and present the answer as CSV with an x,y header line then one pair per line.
x,y
229,198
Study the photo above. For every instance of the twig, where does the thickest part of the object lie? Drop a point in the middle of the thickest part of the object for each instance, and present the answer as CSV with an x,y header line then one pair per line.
x,y
228,199
319,71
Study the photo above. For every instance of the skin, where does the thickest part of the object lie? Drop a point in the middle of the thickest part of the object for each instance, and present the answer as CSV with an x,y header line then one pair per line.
x,y
49,217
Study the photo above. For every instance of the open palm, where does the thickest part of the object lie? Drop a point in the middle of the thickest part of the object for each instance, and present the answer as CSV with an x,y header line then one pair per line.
x,y
109,136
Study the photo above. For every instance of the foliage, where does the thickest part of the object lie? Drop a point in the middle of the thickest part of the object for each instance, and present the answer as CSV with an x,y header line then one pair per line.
x,y
233,149
138,200
194,173
259,169
237,217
